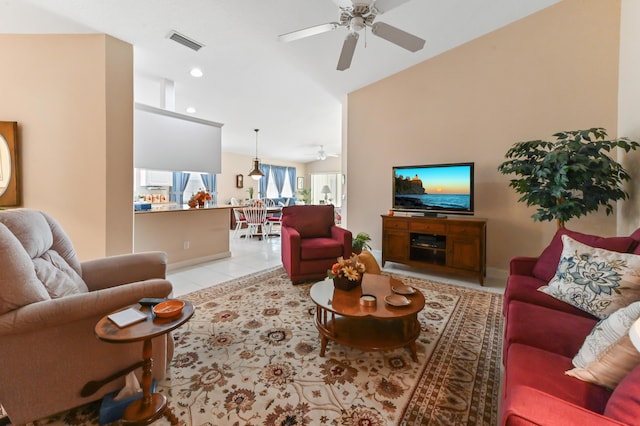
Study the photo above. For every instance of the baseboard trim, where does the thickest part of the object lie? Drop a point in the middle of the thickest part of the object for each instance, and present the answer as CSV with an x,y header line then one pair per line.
x,y
497,274
197,260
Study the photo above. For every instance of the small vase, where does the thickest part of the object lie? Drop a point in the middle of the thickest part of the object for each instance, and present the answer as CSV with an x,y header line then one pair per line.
x,y
343,283
200,203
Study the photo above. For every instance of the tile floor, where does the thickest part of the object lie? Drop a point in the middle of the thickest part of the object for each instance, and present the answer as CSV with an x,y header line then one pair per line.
x,y
253,256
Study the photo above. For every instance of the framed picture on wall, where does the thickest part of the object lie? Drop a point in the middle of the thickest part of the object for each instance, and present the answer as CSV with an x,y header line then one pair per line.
x,y
300,183
239,181
9,165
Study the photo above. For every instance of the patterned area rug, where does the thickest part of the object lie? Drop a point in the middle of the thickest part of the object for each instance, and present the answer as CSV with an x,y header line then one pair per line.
x,y
250,356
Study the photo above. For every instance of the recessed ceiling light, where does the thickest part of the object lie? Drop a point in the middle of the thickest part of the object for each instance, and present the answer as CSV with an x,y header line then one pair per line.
x,y
196,72
191,110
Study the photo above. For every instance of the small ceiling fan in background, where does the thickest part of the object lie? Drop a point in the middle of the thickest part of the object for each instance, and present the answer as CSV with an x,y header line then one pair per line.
x,y
356,15
323,155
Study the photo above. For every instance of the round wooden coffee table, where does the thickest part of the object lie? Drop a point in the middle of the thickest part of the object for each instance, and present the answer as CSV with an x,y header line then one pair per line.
x,y
151,406
341,318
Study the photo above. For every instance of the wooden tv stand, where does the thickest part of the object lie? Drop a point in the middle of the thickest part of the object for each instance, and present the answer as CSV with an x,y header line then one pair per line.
x,y
455,245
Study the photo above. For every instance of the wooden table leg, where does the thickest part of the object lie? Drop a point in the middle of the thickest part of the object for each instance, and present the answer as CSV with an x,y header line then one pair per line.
x,y
170,416
323,345
414,352
152,405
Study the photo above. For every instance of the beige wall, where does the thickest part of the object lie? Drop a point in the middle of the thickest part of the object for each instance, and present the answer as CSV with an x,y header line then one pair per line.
x,y
330,165
72,96
526,81
234,164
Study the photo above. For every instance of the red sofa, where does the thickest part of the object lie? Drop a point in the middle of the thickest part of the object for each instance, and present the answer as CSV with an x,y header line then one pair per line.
x,y
311,242
541,337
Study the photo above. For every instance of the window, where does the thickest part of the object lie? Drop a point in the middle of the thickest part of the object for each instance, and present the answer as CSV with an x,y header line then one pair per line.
x,y
268,185
287,189
193,185
196,183
332,181
272,191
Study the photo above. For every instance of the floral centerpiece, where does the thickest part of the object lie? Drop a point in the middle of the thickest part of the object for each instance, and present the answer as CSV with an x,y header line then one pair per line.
x,y
347,273
199,198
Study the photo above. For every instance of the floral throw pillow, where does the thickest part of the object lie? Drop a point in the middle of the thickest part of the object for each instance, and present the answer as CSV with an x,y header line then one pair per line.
x,y
595,280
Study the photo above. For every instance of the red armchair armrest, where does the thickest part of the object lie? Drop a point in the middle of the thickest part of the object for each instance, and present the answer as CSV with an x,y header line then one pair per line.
x,y
290,244
345,237
521,265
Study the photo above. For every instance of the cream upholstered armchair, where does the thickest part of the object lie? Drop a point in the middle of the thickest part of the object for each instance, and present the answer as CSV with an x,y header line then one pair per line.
x,y
49,305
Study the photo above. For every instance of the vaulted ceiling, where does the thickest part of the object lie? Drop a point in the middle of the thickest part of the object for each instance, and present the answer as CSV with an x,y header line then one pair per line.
x,y
291,91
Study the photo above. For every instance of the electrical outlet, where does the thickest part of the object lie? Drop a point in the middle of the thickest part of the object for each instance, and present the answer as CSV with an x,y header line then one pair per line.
x,y
186,245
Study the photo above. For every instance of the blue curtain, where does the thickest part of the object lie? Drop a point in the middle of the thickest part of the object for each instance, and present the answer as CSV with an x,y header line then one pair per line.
x,y
278,176
210,185
180,181
264,182
292,180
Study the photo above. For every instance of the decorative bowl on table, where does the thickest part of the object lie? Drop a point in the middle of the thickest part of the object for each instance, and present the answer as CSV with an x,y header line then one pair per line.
x,y
397,300
403,289
168,309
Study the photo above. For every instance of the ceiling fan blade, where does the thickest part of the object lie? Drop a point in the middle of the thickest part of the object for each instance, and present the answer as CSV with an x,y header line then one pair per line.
x,y
307,32
397,36
348,48
382,6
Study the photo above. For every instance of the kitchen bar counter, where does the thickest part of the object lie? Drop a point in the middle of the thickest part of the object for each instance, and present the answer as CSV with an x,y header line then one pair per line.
x,y
172,207
188,235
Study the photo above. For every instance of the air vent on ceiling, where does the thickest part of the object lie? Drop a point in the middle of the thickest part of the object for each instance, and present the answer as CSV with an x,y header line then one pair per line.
x,y
185,41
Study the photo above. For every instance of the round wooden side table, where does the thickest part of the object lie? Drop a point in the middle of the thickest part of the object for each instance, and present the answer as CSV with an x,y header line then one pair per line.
x,y
151,406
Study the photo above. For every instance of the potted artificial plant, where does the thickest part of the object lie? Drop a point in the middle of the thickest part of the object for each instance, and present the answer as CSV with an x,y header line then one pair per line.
x,y
305,194
569,177
360,242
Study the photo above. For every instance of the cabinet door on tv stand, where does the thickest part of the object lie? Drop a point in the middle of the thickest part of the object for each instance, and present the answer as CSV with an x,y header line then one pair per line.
x,y
395,246
464,253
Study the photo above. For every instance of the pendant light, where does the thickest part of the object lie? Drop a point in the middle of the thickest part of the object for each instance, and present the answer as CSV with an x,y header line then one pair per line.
x,y
256,174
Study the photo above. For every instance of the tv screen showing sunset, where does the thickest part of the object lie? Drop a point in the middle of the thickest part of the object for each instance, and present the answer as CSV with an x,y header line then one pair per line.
x,y
434,187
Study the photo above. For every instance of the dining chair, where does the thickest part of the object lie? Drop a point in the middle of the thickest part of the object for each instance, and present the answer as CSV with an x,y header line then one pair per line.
x,y
241,223
274,217
256,218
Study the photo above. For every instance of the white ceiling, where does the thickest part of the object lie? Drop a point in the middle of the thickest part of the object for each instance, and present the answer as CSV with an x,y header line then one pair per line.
x,y
290,91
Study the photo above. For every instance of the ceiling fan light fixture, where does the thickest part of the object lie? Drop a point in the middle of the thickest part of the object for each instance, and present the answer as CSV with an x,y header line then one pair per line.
x,y
357,23
322,154
255,173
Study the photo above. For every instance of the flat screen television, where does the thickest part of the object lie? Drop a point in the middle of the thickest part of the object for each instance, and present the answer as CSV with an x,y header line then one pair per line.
x,y
434,189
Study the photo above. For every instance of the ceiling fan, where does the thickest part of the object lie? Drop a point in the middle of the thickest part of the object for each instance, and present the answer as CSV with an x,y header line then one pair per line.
x,y
323,155
356,15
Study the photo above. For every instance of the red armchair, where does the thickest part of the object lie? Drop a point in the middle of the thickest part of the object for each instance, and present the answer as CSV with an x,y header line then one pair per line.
x,y
311,242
